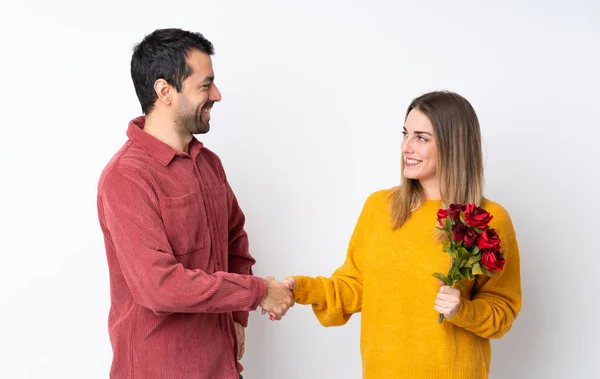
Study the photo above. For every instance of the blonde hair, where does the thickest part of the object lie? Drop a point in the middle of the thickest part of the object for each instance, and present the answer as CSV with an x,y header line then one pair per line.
x,y
459,166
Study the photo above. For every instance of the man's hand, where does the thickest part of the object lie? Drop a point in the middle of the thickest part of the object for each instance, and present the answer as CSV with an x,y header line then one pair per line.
x,y
448,300
240,333
278,299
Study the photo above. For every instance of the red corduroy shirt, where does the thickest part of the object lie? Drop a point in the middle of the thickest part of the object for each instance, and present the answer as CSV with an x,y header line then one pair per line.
x,y
180,271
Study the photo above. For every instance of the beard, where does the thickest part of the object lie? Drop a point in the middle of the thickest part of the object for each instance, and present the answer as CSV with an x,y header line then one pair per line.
x,y
190,117
193,122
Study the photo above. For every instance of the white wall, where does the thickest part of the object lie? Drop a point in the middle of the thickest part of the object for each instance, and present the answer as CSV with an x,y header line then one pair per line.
x,y
314,94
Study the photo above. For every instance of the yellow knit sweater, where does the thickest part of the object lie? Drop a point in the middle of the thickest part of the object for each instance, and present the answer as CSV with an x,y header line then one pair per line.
x,y
387,277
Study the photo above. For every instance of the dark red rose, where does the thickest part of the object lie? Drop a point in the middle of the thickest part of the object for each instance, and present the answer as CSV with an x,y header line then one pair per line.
x,y
455,209
441,215
470,237
458,231
492,260
489,240
477,217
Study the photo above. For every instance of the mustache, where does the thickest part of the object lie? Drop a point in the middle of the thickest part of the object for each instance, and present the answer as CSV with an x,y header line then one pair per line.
x,y
208,104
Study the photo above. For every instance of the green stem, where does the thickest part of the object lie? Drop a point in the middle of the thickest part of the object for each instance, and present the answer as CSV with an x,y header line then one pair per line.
x,y
441,316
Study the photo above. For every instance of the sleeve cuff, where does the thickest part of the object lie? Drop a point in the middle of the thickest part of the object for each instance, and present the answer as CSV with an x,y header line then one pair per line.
x,y
259,290
308,290
465,317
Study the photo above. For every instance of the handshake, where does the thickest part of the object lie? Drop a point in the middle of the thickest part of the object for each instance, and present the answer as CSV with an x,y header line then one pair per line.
x,y
279,297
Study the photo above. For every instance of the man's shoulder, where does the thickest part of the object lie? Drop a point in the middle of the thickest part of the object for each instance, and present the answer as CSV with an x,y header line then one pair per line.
x,y
128,159
213,160
210,155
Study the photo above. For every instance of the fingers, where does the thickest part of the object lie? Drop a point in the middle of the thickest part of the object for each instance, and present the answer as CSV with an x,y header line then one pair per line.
x,y
272,315
279,297
449,290
241,339
444,307
241,347
279,311
447,301
452,296
443,303
241,350
448,296
441,310
290,283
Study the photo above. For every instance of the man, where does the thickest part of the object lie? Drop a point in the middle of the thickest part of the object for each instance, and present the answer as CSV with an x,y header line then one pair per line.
x,y
180,273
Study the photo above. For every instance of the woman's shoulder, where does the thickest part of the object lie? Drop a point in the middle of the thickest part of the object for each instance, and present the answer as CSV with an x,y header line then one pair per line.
x,y
379,198
494,207
501,217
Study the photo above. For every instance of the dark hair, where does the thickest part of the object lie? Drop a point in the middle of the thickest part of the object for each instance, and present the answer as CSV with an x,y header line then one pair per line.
x,y
161,55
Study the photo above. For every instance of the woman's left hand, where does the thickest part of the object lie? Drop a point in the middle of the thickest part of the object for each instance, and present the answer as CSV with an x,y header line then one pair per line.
x,y
448,300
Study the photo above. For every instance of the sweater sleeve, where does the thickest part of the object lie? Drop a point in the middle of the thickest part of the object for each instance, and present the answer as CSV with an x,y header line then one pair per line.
x,y
496,300
335,299
131,216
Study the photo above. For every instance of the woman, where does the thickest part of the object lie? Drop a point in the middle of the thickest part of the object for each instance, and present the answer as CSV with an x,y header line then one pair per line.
x,y
395,249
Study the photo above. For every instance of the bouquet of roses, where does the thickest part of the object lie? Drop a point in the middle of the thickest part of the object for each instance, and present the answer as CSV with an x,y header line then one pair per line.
x,y
473,246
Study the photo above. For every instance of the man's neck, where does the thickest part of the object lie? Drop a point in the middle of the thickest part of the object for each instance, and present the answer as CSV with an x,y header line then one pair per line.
x,y
166,130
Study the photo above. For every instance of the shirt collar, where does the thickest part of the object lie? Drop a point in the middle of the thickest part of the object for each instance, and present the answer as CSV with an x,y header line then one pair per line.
x,y
157,149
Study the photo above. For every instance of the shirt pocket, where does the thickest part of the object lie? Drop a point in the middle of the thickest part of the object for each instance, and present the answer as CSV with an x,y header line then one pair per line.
x,y
184,218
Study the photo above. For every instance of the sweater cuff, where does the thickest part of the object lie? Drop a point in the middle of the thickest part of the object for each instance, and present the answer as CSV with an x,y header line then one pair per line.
x,y
465,316
308,290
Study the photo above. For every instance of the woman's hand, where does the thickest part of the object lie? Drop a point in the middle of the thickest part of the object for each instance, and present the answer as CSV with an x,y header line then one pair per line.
x,y
448,300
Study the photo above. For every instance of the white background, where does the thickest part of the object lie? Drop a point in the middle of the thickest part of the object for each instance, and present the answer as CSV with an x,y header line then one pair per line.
x,y
314,95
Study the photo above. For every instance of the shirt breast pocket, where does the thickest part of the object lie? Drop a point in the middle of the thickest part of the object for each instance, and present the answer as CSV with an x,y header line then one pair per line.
x,y
184,218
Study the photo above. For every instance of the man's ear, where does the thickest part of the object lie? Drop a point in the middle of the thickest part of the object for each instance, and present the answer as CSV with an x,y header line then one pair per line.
x,y
163,91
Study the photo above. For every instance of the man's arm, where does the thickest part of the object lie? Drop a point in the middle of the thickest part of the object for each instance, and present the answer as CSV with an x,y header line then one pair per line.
x,y
240,260
131,216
